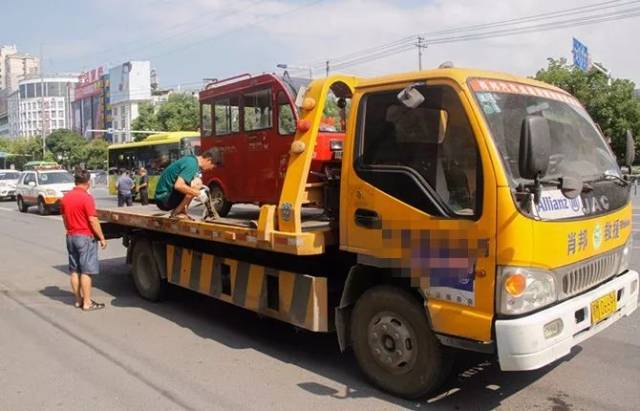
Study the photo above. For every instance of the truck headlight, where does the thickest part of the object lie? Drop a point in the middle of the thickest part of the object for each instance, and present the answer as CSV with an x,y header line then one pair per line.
x,y
50,192
524,289
625,257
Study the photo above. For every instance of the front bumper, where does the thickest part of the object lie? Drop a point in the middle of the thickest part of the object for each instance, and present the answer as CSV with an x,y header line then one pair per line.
x,y
521,342
7,192
52,201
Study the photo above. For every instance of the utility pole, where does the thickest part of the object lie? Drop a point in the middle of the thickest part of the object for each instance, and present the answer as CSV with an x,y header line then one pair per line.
x,y
421,45
327,68
42,135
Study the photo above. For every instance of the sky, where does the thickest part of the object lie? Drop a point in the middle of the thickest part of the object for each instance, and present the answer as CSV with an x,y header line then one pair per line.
x,y
188,40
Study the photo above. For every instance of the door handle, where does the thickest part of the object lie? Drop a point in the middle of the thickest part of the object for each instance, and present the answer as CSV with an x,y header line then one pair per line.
x,y
367,218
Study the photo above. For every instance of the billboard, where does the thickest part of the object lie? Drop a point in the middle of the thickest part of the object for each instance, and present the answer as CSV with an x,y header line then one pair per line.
x,y
130,81
580,55
88,84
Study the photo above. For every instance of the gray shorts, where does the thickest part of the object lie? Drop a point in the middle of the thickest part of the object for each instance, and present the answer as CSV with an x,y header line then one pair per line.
x,y
83,254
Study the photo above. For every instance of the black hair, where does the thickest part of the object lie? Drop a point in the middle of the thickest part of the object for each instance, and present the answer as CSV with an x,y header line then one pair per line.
x,y
81,176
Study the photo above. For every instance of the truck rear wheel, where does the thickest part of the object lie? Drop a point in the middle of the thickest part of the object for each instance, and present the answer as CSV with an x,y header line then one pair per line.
x,y
146,276
221,203
394,345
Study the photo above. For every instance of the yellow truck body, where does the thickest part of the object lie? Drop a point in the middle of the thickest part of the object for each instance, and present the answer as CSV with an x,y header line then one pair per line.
x,y
434,213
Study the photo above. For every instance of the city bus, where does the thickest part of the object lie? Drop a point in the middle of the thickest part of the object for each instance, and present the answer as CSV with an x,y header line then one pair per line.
x,y
154,153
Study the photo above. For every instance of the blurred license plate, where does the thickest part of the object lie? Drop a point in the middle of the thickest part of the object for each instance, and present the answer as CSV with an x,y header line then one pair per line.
x,y
603,307
337,155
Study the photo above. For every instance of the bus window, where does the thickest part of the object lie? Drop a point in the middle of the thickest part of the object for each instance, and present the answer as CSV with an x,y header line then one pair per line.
x,y
258,112
286,120
190,146
227,114
205,119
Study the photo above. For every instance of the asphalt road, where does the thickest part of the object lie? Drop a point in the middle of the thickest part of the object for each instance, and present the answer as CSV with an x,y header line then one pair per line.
x,y
192,352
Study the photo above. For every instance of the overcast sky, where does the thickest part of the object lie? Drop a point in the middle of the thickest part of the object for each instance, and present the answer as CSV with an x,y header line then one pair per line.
x,y
187,40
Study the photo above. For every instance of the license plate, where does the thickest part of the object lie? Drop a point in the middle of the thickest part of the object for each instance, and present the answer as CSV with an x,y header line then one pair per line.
x,y
603,307
337,155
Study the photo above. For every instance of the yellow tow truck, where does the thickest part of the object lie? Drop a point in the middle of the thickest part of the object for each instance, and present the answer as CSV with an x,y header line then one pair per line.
x,y
472,210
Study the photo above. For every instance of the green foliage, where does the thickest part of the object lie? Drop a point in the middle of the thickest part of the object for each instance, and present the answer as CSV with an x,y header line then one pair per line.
x,y
147,120
181,112
94,154
611,104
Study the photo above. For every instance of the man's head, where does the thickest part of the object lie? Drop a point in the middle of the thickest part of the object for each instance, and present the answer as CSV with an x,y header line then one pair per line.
x,y
143,171
82,178
206,160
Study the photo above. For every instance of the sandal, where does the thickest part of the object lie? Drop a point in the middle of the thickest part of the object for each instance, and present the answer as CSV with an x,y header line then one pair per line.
x,y
94,306
77,305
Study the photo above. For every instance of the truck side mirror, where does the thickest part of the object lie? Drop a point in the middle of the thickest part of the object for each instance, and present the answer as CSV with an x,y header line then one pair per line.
x,y
630,150
535,147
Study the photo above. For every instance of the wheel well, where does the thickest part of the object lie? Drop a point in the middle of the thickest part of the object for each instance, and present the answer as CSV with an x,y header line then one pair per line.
x,y
360,279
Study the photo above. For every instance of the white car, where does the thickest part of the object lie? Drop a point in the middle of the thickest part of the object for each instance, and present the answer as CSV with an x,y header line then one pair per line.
x,y
43,188
8,181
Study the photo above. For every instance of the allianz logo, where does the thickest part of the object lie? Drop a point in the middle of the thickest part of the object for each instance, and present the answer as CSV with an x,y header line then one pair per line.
x,y
588,204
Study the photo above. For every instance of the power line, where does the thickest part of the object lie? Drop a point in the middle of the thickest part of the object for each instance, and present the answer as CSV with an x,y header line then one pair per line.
x,y
406,43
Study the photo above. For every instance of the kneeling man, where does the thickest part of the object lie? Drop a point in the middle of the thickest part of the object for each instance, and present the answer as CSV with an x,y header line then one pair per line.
x,y
178,184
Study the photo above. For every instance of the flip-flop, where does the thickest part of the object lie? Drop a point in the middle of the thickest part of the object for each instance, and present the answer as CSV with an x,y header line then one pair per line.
x,y
181,216
94,306
77,305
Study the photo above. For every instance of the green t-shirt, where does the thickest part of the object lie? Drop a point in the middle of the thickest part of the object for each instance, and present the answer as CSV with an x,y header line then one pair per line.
x,y
186,167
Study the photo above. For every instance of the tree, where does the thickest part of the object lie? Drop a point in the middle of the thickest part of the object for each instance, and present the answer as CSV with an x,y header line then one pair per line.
x,y
66,147
611,104
181,112
147,120
94,154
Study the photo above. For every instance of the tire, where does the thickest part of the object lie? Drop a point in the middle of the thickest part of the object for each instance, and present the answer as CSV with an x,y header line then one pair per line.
x,y
21,205
146,276
222,205
394,345
42,207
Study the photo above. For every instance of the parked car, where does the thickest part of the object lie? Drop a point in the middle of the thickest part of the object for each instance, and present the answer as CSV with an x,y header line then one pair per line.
x,y
43,188
8,181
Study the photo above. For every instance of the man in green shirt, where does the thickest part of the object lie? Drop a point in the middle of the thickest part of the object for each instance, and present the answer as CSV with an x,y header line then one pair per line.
x,y
178,184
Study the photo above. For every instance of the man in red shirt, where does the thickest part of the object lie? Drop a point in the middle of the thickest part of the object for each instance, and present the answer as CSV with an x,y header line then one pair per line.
x,y
79,215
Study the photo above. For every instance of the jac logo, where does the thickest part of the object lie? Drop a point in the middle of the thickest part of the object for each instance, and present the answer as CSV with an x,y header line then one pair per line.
x,y
595,204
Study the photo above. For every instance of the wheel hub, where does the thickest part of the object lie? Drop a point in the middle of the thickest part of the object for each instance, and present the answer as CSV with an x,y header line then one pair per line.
x,y
392,342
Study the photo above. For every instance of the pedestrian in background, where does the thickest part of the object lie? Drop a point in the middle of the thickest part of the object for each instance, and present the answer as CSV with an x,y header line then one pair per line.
x,y
124,185
143,186
83,228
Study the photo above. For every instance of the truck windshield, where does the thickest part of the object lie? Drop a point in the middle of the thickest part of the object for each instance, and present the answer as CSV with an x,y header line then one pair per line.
x,y
577,148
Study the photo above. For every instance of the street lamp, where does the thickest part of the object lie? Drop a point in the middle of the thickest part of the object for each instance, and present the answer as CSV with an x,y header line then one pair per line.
x,y
286,66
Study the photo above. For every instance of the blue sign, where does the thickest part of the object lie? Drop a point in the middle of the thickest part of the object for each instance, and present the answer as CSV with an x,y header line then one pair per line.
x,y
580,55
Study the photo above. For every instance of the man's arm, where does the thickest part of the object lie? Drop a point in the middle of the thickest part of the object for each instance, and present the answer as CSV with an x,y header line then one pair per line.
x,y
185,188
97,230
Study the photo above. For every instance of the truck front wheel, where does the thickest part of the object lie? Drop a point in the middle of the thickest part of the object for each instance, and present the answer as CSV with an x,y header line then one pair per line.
x,y
394,345
146,275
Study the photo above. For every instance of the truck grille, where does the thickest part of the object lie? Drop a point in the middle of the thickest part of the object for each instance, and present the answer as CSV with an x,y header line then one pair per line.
x,y
575,278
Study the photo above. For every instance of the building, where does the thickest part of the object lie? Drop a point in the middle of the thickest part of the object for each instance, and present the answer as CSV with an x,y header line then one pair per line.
x,y
130,85
4,52
4,113
18,67
91,106
30,109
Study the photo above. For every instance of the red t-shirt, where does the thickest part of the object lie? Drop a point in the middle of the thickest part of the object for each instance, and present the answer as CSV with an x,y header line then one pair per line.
x,y
76,207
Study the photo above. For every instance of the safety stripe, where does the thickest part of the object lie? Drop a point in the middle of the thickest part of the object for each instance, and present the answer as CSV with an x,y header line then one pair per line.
x,y
302,299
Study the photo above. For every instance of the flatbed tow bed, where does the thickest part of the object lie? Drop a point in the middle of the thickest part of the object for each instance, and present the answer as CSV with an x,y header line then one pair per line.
x,y
248,227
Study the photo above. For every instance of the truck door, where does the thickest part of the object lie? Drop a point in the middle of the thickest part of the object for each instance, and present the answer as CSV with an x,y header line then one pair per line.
x,y
261,169
420,203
